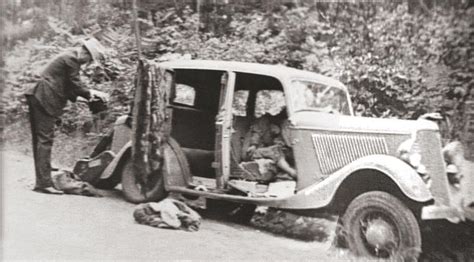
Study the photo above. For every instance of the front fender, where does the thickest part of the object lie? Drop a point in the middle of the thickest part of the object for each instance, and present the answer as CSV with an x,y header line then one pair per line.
x,y
321,194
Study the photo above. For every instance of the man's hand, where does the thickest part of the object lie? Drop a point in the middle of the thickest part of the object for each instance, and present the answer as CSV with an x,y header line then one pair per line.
x,y
98,94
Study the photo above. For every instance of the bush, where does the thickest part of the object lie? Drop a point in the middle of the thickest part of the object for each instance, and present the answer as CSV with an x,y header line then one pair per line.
x,y
396,63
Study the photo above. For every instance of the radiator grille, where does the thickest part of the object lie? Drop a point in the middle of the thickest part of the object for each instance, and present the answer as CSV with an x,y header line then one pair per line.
x,y
429,143
334,151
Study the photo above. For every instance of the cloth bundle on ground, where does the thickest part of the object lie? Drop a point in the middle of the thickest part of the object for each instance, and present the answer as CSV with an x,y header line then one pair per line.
x,y
168,213
70,184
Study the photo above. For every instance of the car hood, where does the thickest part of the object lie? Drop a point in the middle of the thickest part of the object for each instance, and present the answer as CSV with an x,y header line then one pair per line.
x,y
335,122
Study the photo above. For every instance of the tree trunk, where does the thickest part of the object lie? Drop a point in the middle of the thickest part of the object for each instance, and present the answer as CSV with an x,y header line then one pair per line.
x,y
418,5
151,119
141,122
160,128
80,7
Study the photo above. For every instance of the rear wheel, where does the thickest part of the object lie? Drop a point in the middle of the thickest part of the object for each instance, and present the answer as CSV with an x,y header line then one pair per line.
x,y
378,224
153,188
174,166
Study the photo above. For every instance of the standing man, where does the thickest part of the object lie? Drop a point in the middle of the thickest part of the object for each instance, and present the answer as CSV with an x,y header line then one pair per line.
x,y
59,83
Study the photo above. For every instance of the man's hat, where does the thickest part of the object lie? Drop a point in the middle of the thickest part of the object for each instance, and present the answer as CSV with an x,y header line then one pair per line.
x,y
95,49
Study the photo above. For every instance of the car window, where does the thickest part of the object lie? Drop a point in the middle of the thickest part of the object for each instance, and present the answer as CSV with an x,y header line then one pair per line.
x,y
269,101
185,95
319,97
239,105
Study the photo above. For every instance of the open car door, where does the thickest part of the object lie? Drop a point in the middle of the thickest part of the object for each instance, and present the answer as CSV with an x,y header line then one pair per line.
x,y
224,130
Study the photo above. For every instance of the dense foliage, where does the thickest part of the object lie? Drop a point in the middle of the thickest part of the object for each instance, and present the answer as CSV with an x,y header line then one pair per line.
x,y
396,63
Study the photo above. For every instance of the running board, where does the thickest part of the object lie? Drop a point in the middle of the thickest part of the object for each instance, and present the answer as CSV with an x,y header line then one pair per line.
x,y
204,183
223,196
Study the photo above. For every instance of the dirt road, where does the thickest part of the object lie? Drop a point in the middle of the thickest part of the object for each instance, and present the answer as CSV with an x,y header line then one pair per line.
x,y
51,227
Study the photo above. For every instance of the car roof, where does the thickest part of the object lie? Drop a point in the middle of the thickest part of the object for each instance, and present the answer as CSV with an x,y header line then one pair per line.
x,y
278,71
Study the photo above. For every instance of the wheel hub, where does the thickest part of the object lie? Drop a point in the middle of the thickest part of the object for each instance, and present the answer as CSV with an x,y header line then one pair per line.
x,y
379,234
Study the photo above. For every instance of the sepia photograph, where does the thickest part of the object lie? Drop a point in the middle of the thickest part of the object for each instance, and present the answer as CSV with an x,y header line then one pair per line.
x,y
237,130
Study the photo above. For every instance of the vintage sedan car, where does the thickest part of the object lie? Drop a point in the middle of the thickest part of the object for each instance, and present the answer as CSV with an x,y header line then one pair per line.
x,y
383,176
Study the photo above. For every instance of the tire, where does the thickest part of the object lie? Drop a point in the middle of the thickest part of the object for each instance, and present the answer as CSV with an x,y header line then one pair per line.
x,y
178,166
132,189
377,224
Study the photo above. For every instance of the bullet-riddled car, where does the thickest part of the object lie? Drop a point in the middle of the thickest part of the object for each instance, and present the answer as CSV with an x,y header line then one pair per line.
x,y
383,176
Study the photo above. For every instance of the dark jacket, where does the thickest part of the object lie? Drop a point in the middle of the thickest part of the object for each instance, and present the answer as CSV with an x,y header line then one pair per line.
x,y
60,82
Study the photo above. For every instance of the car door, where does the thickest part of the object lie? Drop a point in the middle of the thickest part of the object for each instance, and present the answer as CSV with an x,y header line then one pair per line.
x,y
224,130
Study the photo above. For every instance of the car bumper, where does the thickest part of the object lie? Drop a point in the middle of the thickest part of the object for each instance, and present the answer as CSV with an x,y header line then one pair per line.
x,y
452,214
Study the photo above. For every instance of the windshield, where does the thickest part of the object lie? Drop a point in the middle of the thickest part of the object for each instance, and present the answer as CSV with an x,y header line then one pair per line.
x,y
314,96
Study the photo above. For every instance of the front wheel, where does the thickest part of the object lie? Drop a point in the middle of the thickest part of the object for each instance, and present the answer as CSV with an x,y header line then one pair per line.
x,y
378,224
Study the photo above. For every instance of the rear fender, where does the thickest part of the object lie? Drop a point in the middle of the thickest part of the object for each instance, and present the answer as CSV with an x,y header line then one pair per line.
x,y
121,144
177,168
109,171
321,194
122,134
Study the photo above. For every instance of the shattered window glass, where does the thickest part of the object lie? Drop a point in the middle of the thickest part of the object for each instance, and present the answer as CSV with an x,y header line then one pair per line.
x,y
269,102
319,97
239,105
185,95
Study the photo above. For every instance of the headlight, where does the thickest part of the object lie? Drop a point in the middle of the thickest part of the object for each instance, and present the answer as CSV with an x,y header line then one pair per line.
x,y
414,159
421,169
454,177
452,169
408,152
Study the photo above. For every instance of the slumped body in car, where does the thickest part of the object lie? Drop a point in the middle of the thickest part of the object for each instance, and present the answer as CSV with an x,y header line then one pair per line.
x,y
266,149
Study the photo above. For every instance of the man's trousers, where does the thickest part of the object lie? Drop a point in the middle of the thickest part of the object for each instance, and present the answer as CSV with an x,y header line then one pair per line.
x,y
42,131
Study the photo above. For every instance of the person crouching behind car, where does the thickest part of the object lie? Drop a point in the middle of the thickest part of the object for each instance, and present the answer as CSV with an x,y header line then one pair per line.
x,y
59,82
